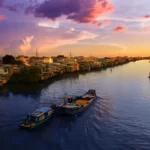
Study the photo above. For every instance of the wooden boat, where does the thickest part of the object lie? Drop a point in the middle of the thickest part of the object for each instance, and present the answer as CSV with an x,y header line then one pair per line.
x,y
75,105
38,117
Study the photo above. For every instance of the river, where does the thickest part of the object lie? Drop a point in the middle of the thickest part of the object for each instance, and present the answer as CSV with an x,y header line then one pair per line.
x,y
118,120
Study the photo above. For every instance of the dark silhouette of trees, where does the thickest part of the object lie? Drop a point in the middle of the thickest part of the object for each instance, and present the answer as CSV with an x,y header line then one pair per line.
x,y
8,59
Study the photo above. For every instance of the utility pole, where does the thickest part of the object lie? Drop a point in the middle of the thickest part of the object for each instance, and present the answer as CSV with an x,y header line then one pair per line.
x,y
37,55
70,55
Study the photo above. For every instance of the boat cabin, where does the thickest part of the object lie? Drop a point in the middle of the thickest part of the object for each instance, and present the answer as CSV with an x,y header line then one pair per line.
x,y
69,98
39,114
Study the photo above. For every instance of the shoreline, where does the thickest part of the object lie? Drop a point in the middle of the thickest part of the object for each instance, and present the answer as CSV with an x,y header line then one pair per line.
x,y
62,76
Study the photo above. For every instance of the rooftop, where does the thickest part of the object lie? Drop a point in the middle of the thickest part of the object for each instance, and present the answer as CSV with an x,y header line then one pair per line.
x,y
40,111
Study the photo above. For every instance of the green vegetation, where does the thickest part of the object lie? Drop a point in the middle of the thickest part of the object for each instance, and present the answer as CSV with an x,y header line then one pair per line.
x,y
26,75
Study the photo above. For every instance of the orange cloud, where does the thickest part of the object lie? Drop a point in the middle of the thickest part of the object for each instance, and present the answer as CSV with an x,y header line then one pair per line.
x,y
106,21
82,11
26,44
99,23
146,17
119,29
1,17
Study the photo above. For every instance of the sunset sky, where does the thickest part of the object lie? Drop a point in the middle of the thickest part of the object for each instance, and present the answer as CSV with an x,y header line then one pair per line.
x,y
82,27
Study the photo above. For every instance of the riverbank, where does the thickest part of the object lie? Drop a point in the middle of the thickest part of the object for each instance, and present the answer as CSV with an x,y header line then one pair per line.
x,y
33,77
36,87
38,71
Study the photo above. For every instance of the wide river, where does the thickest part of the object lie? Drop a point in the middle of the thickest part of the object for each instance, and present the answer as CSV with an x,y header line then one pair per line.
x,y
118,120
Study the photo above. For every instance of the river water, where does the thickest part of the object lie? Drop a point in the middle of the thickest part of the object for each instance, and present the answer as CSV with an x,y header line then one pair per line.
x,y
118,120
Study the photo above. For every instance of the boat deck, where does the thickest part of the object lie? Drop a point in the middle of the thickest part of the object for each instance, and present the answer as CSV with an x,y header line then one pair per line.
x,y
82,102
71,105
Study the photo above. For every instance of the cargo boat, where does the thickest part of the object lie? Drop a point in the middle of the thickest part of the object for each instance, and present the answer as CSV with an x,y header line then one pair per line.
x,y
38,117
75,104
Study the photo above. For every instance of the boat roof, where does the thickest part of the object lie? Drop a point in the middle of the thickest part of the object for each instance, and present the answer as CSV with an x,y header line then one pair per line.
x,y
40,111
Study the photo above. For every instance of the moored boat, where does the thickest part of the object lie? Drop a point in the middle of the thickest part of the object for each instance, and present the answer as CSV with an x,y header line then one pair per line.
x,y
38,117
74,105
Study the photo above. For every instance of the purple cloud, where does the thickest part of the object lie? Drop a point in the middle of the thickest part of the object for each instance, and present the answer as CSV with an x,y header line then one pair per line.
x,y
1,2
83,11
10,7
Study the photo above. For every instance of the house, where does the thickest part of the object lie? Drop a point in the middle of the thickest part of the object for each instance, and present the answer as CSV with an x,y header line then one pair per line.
x,y
40,60
24,59
4,70
59,59
8,69
47,60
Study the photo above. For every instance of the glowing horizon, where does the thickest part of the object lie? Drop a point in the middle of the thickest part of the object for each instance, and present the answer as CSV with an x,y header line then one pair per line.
x,y
82,27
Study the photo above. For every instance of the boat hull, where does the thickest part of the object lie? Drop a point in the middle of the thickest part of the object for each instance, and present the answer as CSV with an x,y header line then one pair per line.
x,y
30,127
64,111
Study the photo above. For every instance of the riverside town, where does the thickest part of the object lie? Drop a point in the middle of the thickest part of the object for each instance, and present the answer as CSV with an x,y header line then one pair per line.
x,y
25,70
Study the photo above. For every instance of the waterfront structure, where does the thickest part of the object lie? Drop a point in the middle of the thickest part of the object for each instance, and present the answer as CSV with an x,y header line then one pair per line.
x,y
48,67
23,59
40,60
47,60
4,70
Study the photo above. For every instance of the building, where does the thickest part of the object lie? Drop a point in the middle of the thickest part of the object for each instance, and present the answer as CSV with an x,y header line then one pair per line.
x,y
8,69
40,60
24,59
4,70
47,60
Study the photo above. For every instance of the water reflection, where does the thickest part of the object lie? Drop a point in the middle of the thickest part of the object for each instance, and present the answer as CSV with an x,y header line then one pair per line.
x,y
32,89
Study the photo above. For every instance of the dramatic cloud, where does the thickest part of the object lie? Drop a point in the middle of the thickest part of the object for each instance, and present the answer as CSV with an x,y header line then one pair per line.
x,y
82,11
119,29
63,37
26,44
20,46
1,3
47,41
11,7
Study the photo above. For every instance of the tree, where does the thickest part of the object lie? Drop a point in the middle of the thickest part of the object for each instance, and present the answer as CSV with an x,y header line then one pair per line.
x,y
26,75
18,62
8,59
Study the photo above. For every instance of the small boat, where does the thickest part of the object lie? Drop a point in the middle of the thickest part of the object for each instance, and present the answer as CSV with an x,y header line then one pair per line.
x,y
38,117
76,104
